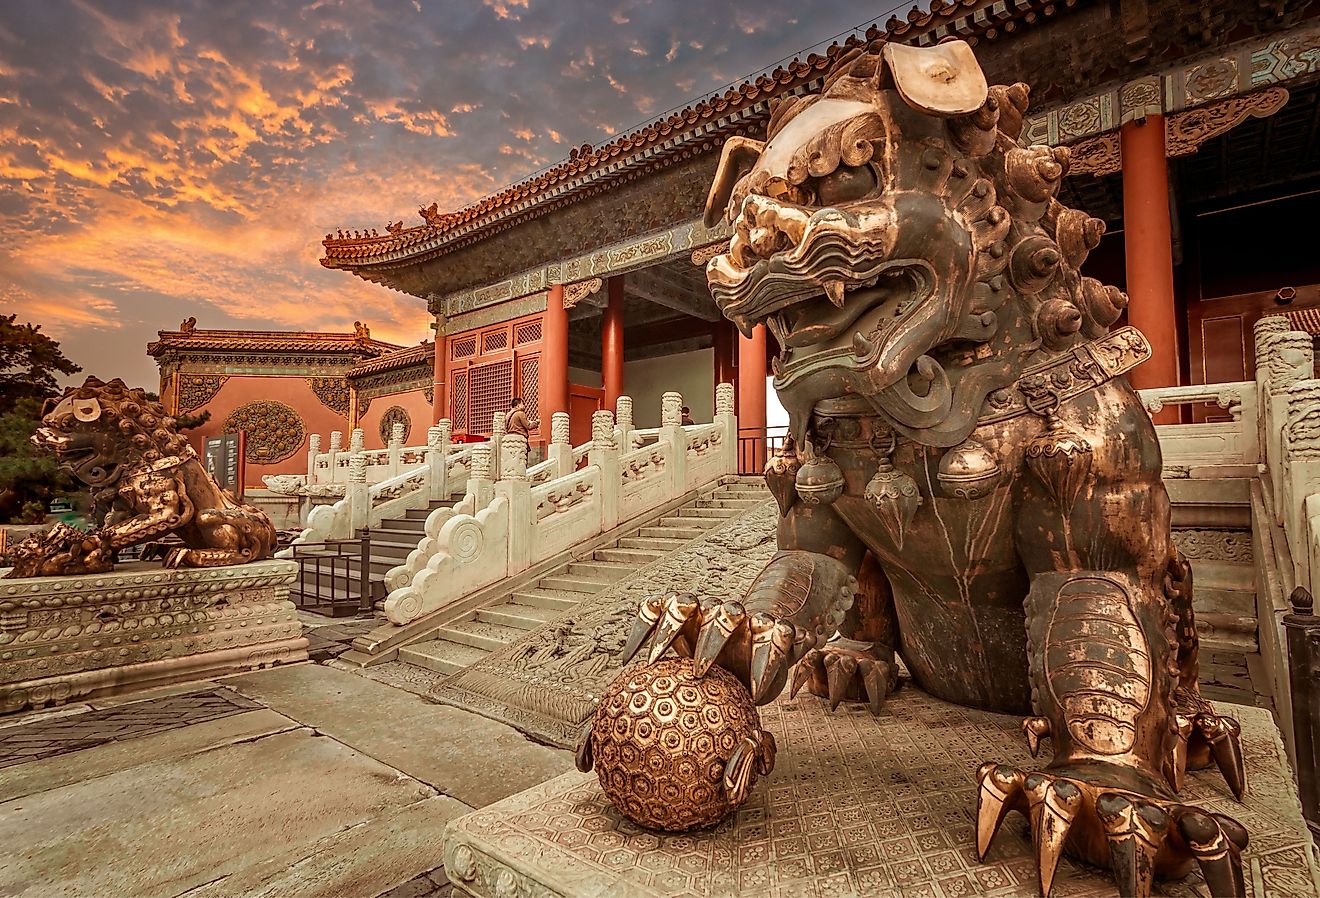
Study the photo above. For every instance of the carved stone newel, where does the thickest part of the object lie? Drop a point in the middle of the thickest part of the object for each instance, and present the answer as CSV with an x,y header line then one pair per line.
x,y
671,409
559,428
602,430
724,399
513,461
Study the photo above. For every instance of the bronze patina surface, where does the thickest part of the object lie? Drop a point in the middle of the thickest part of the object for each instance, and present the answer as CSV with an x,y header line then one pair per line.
x,y
147,483
971,483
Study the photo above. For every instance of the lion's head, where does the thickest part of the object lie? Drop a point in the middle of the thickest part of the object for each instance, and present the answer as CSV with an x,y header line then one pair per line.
x,y
901,244
99,430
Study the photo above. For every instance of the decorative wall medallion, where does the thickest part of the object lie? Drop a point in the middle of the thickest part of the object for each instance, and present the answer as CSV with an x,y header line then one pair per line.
x,y
333,393
394,415
274,431
195,390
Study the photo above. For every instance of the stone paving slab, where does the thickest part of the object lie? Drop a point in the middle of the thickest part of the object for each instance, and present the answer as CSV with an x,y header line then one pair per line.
x,y
159,829
371,859
858,806
111,757
48,738
462,754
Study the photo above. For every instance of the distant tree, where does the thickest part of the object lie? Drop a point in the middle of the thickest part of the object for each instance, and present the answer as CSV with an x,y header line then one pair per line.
x,y
29,363
29,480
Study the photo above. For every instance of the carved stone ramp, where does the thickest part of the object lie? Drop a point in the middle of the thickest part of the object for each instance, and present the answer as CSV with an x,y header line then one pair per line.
x,y
546,681
510,617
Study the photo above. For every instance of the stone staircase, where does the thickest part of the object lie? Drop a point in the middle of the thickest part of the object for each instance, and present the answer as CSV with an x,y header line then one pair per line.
x,y
337,592
1212,526
463,642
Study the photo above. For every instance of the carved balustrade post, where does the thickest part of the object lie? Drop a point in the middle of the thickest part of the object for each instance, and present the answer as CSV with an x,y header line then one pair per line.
x,y
605,455
1286,358
514,486
357,441
395,448
480,485
1300,470
1302,629
728,423
336,446
313,450
672,432
623,423
437,460
498,424
357,493
561,445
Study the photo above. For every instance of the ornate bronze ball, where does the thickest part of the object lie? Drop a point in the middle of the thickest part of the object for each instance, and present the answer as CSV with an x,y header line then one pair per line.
x,y
675,751
968,471
819,481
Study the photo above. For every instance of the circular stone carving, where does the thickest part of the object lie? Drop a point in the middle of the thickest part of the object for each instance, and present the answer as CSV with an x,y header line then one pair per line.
x,y
465,539
394,415
662,737
274,430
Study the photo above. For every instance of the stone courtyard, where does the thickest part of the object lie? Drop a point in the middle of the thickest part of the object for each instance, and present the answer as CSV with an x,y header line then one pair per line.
x,y
296,781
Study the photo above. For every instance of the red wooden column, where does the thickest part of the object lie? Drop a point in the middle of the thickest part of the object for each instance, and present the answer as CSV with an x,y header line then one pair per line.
x,y
611,343
751,401
1148,244
554,356
439,383
723,333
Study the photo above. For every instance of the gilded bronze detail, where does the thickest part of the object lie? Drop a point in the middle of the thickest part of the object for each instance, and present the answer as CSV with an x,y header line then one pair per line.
x,y
147,482
999,521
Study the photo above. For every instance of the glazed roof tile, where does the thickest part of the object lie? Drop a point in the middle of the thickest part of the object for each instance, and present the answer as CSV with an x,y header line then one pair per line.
x,y
666,139
422,353
267,341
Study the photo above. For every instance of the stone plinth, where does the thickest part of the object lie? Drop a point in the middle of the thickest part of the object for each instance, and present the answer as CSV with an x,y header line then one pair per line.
x,y
142,625
857,806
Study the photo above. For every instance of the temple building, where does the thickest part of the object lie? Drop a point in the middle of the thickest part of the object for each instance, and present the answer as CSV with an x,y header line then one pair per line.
x,y
1194,133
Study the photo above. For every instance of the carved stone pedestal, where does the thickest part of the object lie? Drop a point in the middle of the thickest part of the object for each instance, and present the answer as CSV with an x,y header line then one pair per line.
x,y
857,806
64,638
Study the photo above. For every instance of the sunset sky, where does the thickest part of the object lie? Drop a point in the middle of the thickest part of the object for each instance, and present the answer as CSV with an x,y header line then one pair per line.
x,y
166,160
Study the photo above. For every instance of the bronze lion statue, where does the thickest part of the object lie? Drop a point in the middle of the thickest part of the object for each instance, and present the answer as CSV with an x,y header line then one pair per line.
x,y
147,482
970,483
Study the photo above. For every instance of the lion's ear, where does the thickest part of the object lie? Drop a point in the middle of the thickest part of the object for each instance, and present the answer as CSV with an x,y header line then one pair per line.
x,y
86,410
736,160
942,80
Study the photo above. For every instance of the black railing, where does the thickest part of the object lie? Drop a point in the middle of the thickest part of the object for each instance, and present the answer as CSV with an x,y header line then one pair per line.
x,y
327,583
756,446
1302,628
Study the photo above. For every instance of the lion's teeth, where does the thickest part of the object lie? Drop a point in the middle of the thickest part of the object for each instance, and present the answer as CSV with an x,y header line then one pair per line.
x,y
834,290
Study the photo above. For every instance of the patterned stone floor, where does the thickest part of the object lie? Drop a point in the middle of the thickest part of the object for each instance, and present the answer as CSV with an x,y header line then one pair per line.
x,y
22,743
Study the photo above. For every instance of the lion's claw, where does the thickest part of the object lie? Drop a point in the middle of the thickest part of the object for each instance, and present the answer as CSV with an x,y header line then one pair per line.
x,y
843,670
1137,835
757,647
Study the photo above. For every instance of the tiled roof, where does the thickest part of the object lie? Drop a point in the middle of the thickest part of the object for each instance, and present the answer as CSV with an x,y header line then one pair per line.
x,y
422,353
1307,320
361,344
697,128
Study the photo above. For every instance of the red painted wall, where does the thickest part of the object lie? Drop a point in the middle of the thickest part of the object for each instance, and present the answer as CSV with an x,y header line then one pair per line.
x,y
413,402
294,392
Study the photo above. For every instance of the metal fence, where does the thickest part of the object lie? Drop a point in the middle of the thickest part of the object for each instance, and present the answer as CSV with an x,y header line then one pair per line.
x,y
755,447
327,582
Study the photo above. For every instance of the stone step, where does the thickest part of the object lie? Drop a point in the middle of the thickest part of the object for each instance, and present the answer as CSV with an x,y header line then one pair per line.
x,y
690,522
442,655
671,532
396,539
481,634
556,600
723,502
626,555
566,583
604,571
407,525
654,542
417,514
699,511
1223,633
520,617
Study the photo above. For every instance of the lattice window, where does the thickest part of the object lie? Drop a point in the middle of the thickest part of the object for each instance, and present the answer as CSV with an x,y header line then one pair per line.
x,y
492,389
463,348
529,383
494,341
527,332
458,401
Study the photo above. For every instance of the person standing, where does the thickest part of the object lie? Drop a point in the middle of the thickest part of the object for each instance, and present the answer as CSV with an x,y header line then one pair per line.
x,y
519,423
687,417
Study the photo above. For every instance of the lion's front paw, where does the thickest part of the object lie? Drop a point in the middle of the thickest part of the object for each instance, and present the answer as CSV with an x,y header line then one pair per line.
x,y
847,670
1111,816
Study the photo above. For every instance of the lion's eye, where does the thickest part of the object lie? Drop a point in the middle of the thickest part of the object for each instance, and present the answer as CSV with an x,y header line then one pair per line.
x,y
845,184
